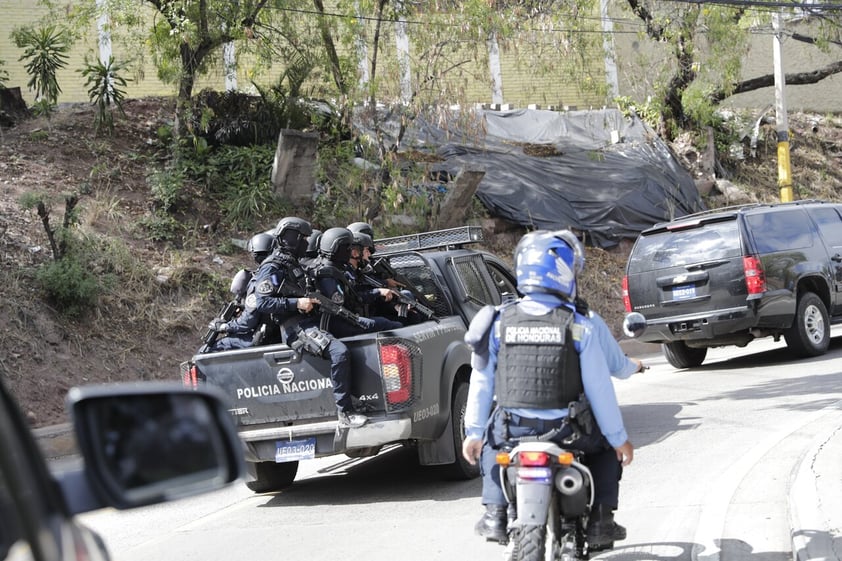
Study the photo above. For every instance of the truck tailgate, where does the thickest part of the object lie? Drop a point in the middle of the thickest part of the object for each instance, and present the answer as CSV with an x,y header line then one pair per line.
x,y
271,384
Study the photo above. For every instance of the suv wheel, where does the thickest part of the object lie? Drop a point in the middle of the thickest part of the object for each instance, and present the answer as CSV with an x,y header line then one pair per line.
x,y
681,356
810,331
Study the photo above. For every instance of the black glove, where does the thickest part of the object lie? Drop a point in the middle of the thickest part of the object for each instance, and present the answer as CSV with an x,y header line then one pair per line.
x,y
366,323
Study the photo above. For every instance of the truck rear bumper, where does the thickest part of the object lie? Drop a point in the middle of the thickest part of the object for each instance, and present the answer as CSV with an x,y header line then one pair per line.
x,y
374,433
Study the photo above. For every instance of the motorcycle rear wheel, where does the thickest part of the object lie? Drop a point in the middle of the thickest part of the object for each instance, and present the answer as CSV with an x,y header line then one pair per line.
x,y
530,543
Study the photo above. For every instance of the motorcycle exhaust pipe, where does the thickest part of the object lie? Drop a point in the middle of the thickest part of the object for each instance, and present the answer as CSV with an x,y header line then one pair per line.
x,y
569,481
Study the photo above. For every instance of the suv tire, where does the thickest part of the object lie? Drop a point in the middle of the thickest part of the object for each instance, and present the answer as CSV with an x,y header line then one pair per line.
x,y
810,331
681,356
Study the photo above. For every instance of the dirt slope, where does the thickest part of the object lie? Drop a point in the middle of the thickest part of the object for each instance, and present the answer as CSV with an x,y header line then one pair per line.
x,y
145,327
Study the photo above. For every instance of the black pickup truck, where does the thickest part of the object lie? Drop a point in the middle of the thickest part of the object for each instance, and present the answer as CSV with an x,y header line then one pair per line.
x,y
413,380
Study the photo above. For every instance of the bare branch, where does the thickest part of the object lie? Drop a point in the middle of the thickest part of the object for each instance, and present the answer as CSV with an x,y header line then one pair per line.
x,y
795,79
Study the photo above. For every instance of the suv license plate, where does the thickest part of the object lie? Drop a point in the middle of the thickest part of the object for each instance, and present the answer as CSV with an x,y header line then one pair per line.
x,y
294,450
683,291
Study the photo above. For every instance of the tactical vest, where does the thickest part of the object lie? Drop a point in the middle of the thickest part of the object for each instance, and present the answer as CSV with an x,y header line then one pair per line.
x,y
294,282
537,364
327,269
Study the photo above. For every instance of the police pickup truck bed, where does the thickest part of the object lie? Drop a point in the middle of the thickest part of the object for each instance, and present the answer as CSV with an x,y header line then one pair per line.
x,y
413,381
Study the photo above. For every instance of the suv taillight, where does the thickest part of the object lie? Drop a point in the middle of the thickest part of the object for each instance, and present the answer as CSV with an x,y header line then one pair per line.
x,y
396,362
755,279
626,299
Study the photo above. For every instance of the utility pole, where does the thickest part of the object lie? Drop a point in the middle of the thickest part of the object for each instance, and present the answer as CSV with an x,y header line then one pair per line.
x,y
784,167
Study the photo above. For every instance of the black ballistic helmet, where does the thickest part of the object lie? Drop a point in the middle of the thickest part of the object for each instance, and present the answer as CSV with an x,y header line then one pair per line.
x,y
313,244
363,241
362,227
336,245
291,234
260,246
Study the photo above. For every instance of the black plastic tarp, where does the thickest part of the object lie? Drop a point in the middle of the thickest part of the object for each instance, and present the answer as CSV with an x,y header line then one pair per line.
x,y
597,171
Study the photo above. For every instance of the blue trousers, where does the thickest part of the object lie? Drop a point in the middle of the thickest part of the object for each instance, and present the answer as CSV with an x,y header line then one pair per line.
x,y
340,364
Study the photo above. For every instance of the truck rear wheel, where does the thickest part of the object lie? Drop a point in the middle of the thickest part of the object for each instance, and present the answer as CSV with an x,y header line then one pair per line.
x,y
810,331
681,356
460,469
270,476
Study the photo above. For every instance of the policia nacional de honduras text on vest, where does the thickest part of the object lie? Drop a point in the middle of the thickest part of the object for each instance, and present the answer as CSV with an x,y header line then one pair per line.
x,y
537,364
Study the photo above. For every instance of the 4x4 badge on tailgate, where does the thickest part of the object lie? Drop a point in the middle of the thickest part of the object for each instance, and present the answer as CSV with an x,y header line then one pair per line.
x,y
285,375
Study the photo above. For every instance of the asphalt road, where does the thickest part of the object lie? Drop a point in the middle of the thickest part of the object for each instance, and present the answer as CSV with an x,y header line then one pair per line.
x,y
715,451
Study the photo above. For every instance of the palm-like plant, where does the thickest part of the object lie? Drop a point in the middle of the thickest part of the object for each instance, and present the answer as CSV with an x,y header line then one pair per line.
x,y
105,90
45,53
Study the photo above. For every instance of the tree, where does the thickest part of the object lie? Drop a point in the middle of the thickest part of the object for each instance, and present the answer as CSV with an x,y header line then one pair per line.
x,y
705,44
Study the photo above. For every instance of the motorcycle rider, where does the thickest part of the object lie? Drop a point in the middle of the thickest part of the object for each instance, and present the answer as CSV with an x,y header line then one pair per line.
x,y
541,341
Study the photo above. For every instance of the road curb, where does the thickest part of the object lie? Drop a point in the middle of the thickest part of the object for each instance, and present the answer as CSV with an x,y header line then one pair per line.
x,y
812,538
56,441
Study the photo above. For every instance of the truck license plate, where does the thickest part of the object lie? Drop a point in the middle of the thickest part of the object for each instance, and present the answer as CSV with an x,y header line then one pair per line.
x,y
294,450
683,291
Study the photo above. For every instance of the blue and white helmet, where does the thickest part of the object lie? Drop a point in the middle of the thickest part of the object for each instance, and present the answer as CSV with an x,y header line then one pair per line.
x,y
550,262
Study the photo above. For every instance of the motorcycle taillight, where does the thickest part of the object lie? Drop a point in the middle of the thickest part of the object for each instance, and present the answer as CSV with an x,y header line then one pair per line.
x,y
533,459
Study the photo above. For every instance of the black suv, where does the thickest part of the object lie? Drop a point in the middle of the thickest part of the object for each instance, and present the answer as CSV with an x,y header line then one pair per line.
x,y
728,276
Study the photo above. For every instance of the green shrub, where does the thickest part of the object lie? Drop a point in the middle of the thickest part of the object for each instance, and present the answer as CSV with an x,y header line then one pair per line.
x,y
70,285
161,227
166,186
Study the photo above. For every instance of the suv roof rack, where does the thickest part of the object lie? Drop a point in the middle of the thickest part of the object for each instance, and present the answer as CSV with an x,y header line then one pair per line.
x,y
451,238
745,206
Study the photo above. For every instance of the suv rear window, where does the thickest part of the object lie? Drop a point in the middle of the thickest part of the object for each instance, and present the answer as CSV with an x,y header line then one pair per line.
x,y
783,230
674,248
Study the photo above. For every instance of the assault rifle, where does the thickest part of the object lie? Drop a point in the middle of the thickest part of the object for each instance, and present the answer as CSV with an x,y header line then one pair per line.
x,y
382,267
227,312
334,309
403,299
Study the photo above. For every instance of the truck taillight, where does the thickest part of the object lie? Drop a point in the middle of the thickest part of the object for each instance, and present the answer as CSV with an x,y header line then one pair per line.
x,y
189,375
626,299
396,362
755,279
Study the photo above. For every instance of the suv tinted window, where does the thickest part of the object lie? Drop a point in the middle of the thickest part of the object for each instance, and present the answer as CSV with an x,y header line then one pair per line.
x,y
830,225
780,231
672,248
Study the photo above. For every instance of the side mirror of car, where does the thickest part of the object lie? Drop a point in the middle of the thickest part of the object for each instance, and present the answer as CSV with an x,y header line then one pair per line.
x,y
148,443
634,324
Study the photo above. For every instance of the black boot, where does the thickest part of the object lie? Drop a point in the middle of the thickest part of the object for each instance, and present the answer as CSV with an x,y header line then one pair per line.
x,y
602,530
492,525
